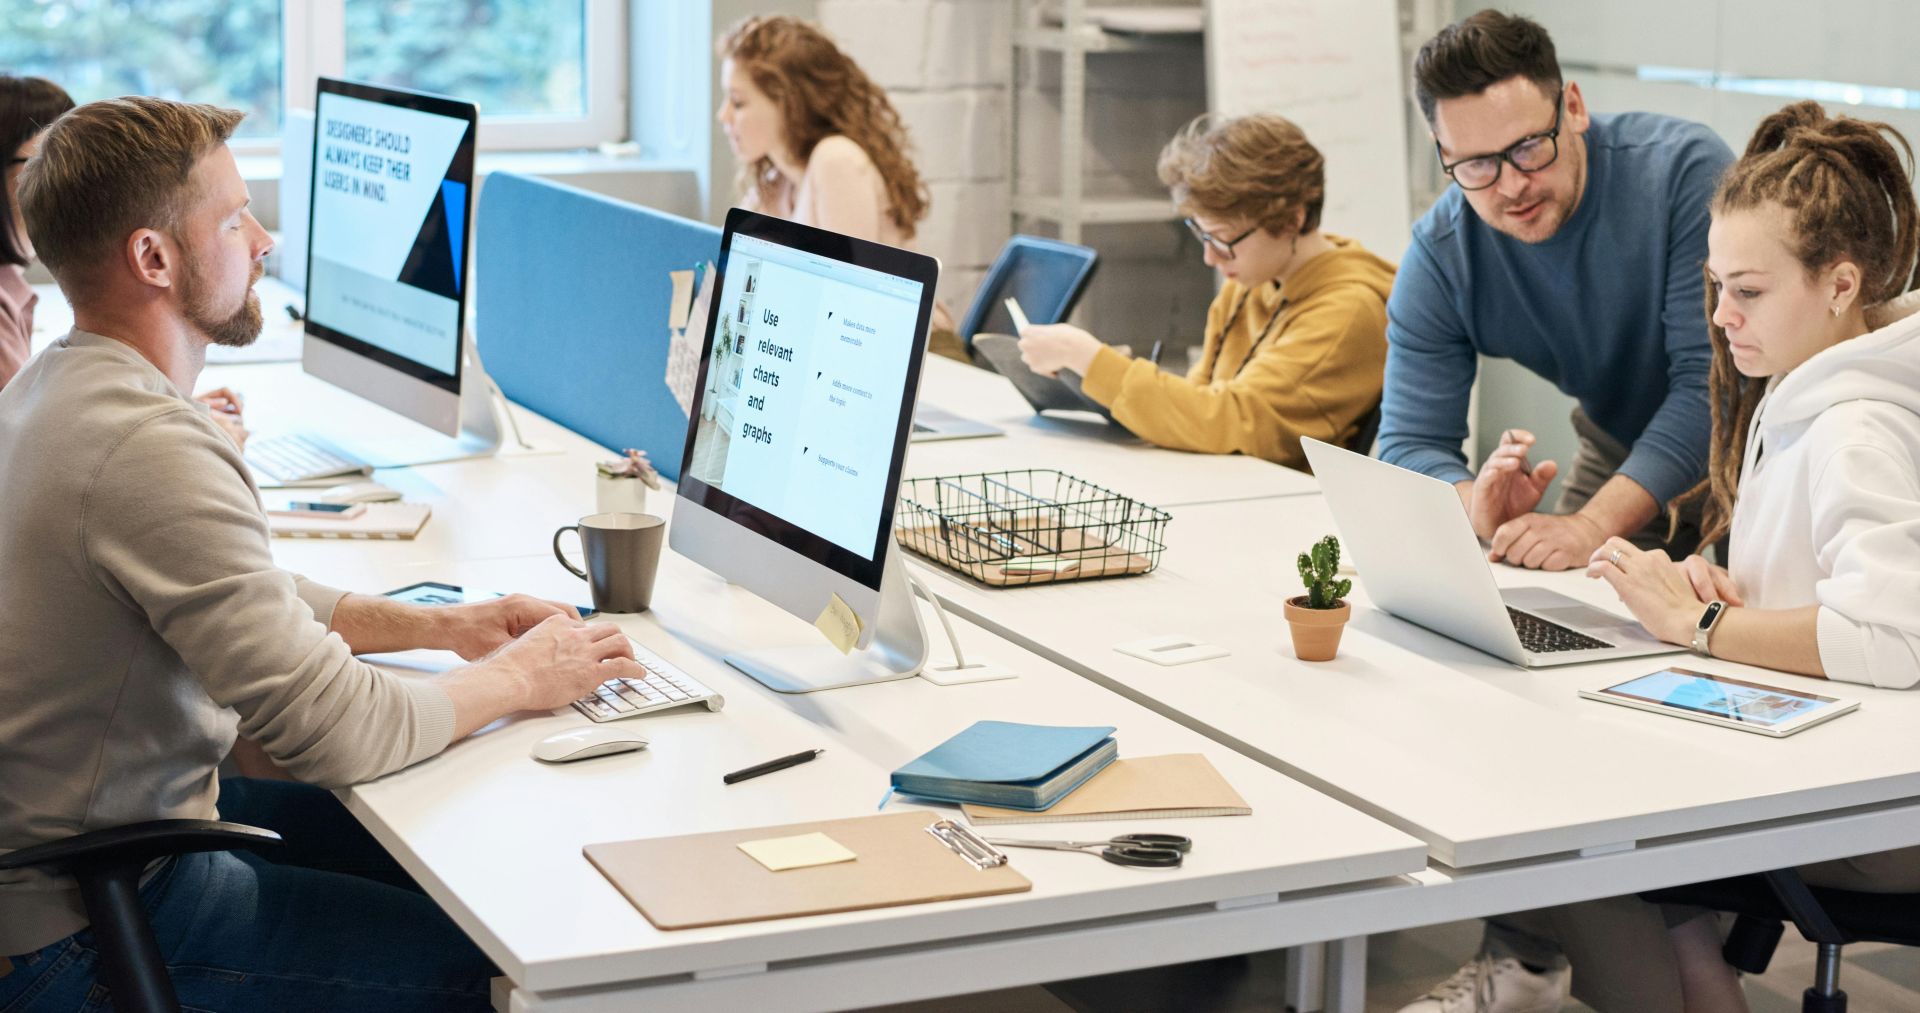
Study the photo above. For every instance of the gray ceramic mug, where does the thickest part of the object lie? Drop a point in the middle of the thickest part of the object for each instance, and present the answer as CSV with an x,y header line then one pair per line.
x,y
622,553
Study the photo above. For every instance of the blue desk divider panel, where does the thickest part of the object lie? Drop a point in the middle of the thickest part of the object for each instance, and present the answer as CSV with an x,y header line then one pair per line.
x,y
571,309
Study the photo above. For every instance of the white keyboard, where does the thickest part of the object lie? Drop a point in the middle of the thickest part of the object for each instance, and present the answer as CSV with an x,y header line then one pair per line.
x,y
664,687
299,458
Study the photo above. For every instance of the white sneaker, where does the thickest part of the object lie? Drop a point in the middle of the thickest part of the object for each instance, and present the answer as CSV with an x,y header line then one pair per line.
x,y
1488,985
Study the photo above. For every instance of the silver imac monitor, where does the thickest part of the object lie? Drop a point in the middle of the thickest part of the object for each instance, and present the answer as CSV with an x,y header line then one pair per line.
x,y
796,440
391,197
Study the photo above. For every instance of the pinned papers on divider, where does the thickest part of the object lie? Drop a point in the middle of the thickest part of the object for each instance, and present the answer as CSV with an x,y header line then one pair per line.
x,y
800,851
683,341
681,302
840,624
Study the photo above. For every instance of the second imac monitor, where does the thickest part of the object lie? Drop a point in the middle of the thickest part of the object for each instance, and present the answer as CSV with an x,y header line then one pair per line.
x,y
392,191
797,437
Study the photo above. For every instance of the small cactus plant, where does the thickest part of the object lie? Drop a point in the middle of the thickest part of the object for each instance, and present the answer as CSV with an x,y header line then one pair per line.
x,y
1319,568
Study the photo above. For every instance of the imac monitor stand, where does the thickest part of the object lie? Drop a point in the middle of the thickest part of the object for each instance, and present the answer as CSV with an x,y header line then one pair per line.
x,y
387,270
797,437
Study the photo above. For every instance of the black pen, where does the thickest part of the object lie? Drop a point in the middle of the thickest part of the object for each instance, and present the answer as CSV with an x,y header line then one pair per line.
x,y
770,766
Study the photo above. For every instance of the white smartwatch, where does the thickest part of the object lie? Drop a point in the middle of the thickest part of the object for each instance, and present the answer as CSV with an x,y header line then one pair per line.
x,y
1703,630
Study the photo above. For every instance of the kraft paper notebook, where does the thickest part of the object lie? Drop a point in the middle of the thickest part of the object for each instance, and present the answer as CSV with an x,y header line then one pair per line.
x,y
713,882
382,520
1141,788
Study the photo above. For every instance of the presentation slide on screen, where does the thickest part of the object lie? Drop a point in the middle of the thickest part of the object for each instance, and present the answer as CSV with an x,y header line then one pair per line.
x,y
809,368
388,228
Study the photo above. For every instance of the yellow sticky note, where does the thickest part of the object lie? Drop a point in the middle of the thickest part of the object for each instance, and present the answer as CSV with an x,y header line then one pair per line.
x,y
840,623
779,854
681,301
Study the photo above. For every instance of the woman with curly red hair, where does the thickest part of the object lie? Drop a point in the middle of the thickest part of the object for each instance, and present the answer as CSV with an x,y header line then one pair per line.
x,y
817,140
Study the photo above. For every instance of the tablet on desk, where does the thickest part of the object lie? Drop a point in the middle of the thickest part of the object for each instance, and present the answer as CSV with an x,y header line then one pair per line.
x,y
1718,700
429,592
1044,393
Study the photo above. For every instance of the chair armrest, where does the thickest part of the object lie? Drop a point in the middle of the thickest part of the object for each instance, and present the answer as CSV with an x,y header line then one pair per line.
x,y
138,843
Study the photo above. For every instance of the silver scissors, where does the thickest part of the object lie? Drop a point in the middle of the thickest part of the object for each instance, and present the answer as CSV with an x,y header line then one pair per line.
x,y
1145,851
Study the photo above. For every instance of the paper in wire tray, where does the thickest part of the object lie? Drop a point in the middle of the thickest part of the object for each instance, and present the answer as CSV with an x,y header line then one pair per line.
x,y
1033,526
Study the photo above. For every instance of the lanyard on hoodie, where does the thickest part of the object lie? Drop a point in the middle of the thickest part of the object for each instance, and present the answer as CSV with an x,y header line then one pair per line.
x,y
1234,318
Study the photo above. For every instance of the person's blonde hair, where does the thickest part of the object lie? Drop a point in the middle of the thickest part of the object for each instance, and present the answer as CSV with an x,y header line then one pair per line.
x,y
1847,188
111,167
822,92
1259,169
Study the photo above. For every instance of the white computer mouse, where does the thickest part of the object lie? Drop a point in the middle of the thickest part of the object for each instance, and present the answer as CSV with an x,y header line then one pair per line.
x,y
358,492
587,742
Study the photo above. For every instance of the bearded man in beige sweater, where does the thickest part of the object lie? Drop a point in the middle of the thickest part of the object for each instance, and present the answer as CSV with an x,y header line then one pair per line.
x,y
144,625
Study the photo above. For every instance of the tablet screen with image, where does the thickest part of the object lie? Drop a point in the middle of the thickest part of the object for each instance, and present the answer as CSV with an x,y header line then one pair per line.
x,y
429,592
1721,700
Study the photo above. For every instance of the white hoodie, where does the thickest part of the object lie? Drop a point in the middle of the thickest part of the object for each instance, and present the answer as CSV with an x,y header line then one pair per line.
x,y
1829,505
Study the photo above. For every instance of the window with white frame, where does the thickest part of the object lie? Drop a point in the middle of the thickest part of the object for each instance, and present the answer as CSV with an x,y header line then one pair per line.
x,y
547,74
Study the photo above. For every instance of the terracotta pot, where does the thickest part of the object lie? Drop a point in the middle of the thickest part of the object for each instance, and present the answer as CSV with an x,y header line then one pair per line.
x,y
1316,632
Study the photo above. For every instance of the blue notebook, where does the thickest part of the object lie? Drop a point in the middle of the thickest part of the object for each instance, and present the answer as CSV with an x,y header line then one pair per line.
x,y
1008,765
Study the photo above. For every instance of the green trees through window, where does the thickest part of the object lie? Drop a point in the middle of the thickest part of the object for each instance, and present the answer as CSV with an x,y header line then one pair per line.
x,y
516,58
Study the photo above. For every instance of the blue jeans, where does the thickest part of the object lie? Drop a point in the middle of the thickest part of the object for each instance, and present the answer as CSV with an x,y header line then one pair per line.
x,y
326,921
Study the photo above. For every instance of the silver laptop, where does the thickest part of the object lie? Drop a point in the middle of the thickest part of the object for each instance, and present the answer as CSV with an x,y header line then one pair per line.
x,y
930,423
1422,562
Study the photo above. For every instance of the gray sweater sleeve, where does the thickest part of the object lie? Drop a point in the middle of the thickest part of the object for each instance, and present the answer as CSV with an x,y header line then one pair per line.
x,y
319,597
171,524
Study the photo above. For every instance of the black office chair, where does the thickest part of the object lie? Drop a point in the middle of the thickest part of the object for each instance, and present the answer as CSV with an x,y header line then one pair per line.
x,y
107,864
1362,442
1046,275
1829,918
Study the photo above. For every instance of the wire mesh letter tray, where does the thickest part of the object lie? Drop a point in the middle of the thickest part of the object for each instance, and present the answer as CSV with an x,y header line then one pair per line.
x,y
1038,526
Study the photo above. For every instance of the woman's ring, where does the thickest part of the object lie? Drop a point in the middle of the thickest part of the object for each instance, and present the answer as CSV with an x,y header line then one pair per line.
x,y
1615,557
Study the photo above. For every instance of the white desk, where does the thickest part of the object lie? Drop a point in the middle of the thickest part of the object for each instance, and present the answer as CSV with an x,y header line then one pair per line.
x,y
1487,762
554,925
495,838
280,334
1082,446
485,508
1522,795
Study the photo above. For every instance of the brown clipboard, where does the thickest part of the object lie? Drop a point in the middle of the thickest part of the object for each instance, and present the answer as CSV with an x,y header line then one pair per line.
x,y
705,879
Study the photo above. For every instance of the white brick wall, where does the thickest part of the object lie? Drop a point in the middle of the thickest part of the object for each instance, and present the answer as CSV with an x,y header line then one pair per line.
x,y
971,43
959,134
947,64
888,38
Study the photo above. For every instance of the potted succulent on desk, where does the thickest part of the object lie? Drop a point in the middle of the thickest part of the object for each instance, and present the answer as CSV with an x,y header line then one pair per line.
x,y
1318,617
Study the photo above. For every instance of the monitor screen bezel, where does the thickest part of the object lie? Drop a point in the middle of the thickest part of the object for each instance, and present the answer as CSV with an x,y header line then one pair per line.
x,y
859,253
463,163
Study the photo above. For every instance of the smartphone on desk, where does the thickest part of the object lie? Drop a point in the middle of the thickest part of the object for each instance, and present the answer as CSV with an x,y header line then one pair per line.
x,y
430,592
334,511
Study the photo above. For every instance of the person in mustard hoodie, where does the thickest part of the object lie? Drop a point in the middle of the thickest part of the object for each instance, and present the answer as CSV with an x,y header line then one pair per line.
x,y
1295,340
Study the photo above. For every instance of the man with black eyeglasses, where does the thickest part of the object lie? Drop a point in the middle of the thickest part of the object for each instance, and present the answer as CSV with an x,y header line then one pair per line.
x,y
1570,243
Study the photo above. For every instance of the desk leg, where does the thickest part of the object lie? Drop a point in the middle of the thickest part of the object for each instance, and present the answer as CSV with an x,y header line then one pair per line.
x,y
1306,978
1346,975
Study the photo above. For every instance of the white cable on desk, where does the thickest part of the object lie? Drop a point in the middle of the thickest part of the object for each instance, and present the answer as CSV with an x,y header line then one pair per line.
x,y
506,408
959,657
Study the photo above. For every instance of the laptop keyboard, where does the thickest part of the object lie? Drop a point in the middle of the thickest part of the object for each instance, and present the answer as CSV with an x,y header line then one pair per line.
x,y
1539,636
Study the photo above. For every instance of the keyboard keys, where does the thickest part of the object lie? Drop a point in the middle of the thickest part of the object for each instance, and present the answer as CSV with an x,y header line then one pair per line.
x,y
297,458
1542,637
663,687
